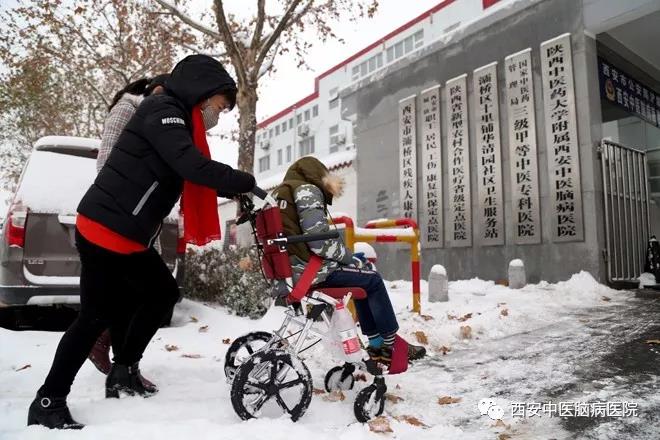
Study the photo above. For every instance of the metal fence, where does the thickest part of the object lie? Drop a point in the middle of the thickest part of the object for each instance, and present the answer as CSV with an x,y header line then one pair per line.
x,y
626,203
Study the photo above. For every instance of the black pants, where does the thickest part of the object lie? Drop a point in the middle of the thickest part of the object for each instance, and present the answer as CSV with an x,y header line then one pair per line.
x,y
130,294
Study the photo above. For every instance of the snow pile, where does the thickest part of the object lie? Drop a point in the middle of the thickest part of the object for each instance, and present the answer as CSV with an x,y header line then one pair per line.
x,y
464,365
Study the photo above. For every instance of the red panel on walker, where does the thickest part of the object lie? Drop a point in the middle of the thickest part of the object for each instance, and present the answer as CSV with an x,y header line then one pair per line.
x,y
399,362
275,262
340,292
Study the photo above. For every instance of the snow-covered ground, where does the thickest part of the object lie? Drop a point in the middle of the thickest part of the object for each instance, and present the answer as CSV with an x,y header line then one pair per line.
x,y
509,345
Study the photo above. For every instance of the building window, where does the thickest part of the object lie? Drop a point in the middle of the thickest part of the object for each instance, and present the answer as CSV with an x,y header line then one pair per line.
x,y
279,157
334,98
299,119
407,45
390,54
418,39
315,111
356,73
307,146
379,60
334,134
283,126
270,133
306,115
277,130
264,164
398,50
288,153
290,123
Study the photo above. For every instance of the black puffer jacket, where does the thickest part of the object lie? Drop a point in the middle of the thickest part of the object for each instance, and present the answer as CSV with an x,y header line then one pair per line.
x,y
143,177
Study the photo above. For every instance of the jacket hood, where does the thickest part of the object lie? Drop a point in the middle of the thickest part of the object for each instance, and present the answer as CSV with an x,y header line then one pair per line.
x,y
310,170
197,77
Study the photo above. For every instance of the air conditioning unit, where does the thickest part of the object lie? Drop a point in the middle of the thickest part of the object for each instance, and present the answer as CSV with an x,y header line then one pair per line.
x,y
303,130
341,138
265,145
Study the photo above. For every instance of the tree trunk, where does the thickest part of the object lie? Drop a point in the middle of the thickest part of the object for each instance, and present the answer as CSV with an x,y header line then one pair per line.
x,y
247,121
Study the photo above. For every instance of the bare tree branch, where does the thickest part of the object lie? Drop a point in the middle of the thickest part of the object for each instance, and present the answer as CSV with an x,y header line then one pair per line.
x,y
230,44
284,22
187,20
259,26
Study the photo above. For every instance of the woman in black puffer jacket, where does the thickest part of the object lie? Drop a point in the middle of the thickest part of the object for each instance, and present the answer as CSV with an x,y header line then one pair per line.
x,y
160,155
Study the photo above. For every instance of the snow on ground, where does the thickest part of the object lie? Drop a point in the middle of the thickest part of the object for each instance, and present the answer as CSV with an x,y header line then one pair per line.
x,y
194,398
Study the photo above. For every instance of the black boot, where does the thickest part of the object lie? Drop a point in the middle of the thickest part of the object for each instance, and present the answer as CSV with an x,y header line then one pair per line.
x,y
126,379
52,413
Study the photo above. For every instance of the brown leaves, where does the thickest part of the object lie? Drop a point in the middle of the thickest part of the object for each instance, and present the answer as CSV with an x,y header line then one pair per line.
x,y
24,367
204,329
444,349
411,420
426,317
335,396
360,377
380,425
226,341
606,298
504,312
169,347
421,337
194,319
317,391
448,400
504,436
466,332
393,398
465,317
245,264
191,356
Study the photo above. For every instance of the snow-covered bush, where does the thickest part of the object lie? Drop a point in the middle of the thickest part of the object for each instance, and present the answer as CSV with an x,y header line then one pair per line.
x,y
230,277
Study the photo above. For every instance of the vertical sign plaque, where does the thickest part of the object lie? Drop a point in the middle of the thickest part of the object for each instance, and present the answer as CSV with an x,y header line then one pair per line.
x,y
490,214
522,148
562,140
431,169
459,231
407,158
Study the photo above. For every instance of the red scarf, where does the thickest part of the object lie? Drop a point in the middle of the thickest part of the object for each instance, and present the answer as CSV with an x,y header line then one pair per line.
x,y
201,222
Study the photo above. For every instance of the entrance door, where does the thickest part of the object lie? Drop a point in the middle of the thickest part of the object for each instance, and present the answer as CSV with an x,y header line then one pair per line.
x,y
626,205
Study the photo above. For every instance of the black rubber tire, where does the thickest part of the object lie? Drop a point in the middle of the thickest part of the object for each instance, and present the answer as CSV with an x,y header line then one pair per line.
x,y
230,358
333,380
362,406
273,357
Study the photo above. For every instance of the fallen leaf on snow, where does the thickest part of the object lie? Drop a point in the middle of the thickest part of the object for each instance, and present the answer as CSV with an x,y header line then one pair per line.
x,y
169,347
226,341
191,356
421,337
193,319
380,424
465,317
335,396
466,332
501,424
318,391
398,387
450,317
504,312
606,298
411,420
444,349
447,400
393,398
360,377
204,329
426,317
653,341
500,304
24,367
504,436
